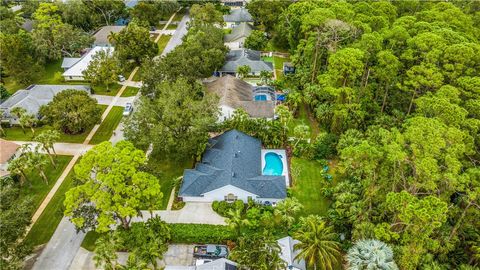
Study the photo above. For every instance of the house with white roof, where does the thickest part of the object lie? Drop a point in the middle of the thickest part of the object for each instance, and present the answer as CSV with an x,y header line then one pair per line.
x,y
288,253
74,67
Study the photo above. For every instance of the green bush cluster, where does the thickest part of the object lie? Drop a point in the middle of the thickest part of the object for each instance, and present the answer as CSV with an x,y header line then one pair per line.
x,y
199,233
222,207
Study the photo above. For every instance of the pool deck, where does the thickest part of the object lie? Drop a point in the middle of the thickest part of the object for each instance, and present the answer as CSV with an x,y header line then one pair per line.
x,y
283,154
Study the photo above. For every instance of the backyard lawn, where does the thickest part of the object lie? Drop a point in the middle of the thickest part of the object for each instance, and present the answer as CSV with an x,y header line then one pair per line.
x,y
167,171
105,131
308,182
278,65
302,118
162,43
47,223
35,184
130,91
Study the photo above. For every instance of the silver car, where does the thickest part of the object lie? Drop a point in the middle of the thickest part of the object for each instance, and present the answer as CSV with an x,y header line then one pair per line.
x,y
128,109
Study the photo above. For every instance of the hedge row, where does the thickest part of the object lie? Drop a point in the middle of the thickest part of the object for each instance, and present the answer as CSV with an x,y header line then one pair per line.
x,y
200,234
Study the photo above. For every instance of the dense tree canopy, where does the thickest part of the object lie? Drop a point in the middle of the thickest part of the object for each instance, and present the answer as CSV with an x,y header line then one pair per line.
x,y
134,43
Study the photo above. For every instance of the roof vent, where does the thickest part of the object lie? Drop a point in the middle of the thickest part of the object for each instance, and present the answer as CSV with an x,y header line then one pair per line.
x,y
233,174
236,154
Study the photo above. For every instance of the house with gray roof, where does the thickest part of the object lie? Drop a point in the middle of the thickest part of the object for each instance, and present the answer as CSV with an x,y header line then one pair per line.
x,y
74,67
234,93
237,37
32,98
244,57
236,17
231,169
102,36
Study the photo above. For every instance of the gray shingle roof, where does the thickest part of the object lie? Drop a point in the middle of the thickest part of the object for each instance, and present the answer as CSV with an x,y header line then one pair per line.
x,y
233,158
102,35
36,96
245,57
68,62
238,15
242,30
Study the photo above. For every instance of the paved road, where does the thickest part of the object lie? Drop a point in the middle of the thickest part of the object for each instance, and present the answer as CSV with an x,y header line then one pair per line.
x,y
61,249
178,35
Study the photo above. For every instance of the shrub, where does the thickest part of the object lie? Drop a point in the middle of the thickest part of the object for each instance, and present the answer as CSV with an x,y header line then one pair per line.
x,y
200,233
222,207
325,145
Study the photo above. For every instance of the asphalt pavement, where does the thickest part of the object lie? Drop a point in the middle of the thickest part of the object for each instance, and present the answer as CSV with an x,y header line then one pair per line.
x,y
178,35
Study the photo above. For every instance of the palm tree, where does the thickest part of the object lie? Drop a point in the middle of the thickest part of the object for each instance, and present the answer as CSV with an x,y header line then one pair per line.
x,y
287,209
105,252
317,246
260,252
236,221
243,71
18,112
38,161
371,254
19,166
46,140
29,120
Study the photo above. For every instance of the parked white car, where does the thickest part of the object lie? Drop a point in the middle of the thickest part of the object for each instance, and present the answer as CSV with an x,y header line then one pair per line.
x,y
128,109
121,78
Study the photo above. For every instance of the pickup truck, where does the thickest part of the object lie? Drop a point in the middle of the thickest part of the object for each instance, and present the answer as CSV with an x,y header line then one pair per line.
x,y
210,251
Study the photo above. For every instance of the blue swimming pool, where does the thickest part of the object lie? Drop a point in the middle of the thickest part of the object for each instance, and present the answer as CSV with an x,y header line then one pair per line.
x,y
261,97
273,164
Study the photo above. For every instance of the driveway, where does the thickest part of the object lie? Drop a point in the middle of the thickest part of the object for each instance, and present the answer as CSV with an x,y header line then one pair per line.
x,y
61,249
70,149
106,100
177,35
192,212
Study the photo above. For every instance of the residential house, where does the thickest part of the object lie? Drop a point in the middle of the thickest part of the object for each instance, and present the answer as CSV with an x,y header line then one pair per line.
x,y
32,98
75,66
236,17
245,57
288,253
102,36
234,93
237,37
8,151
235,167
233,3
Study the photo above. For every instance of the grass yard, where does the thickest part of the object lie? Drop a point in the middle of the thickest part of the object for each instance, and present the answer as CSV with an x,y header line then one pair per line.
x,y
162,43
267,59
137,76
171,26
302,117
89,240
47,223
35,185
167,171
278,65
102,89
15,133
105,131
130,91
308,182
178,17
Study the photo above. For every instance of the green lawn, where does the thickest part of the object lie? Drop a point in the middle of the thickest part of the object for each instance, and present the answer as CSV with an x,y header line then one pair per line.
x,y
137,76
307,184
167,171
35,184
178,17
15,133
267,59
89,240
102,89
302,118
105,131
278,65
171,26
162,43
47,223
130,91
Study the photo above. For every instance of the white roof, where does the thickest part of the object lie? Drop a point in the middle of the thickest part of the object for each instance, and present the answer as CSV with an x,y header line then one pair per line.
x,y
288,254
77,69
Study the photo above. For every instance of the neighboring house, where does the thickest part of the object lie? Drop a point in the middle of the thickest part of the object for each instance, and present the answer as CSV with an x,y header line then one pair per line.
x,y
236,17
234,93
231,169
102,36
68,62
236,39
8,151
75,71
220,264
288,68
245,57
32,98
288,253
233,3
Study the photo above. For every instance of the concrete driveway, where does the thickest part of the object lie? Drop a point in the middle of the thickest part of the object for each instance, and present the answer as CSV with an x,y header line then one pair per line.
x,y
106,100
177,35
193,212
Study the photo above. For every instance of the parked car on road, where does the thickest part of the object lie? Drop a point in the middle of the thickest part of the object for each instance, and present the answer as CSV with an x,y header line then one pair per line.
x,y
210,251
128,109
121,78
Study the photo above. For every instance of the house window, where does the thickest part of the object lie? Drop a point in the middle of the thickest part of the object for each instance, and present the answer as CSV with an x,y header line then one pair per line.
x,y
230,197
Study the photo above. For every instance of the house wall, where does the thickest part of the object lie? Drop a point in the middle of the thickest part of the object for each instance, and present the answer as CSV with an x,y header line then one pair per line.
x,y
236,44
226,112
220,193
74,78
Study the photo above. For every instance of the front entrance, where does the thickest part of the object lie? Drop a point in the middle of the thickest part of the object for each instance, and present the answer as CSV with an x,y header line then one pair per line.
x,y
231,197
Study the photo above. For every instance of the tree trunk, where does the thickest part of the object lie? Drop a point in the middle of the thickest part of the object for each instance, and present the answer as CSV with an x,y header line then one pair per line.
x,y
366,80
42,173
384,99
411,102
51,158
33,131
457,225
